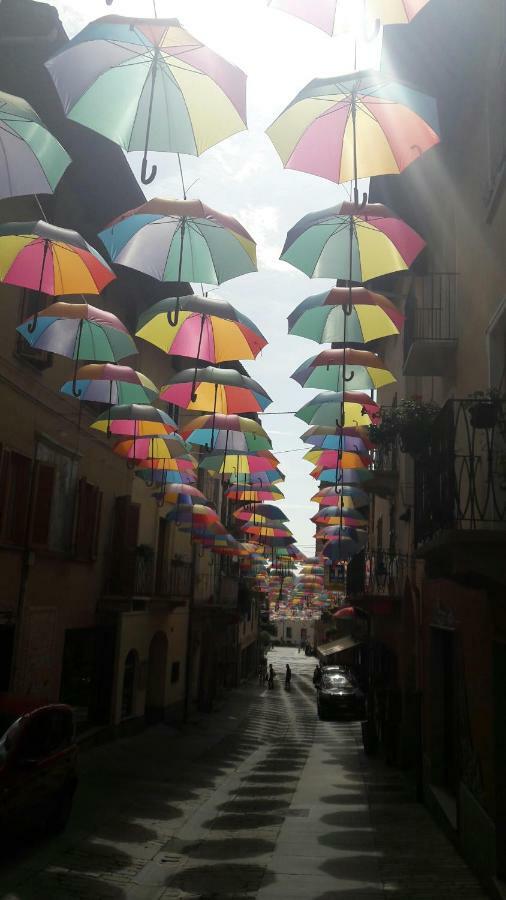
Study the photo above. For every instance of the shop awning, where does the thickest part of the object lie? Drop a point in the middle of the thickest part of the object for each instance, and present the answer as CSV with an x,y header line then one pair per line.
x,y
344,643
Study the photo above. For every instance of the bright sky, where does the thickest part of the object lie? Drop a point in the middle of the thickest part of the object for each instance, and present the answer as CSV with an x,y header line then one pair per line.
x,y
244,177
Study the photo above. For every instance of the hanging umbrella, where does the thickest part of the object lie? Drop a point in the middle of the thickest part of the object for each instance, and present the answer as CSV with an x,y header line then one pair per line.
x,y
332,512
260,479
215,390
33,161
262,531
330,496
78,331
381,243
325,371
240,464
169,448
324,14
341,459
180,240
136,421
247,494
327,437
147,84
208,329
163,474
111,384
336,516
50,260
178,493
263,512
355,126
325,408
340,477
243,434
321,317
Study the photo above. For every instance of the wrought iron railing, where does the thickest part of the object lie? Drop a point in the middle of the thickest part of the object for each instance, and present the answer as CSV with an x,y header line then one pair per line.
x,y
175,580
133,576
460,479
385,572
431,309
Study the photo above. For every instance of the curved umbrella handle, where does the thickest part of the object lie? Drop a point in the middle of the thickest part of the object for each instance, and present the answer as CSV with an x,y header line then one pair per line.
x,y
76,392
33,324
173,320
145,178
349,377
131,463
361,204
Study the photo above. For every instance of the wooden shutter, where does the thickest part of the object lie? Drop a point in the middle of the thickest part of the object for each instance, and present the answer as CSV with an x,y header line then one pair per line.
x,y
89,501
44,478
4,486
124,543
20,474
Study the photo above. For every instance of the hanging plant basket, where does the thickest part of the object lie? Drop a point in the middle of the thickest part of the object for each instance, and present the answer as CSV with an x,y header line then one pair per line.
x,y
409,425
484,414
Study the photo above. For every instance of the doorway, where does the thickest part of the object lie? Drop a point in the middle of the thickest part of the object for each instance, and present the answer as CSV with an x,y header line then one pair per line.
x,y
157,677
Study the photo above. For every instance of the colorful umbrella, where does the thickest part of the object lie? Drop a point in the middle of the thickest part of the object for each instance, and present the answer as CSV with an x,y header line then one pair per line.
x,y
326,437
32,159
322,14
330,496
262,512
355,126
78,331
112,384
262,531
162,473
208,329
136,421
327,371
321,317
259,479
340,477
215,390
178,493
169,448
240,464
381,243
51,260
180,240
342,459
325,408
147,84
336,516
248,494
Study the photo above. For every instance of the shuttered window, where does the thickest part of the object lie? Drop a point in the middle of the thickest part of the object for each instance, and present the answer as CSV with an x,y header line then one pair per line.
x,y
124,545
43,493
17,471
89,504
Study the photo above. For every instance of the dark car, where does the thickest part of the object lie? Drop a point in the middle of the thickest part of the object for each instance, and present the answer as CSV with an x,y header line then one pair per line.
x,y
339,695
38,755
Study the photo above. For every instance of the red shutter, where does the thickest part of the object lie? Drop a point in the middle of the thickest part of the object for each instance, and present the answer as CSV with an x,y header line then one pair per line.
x,y
4,486
20,474
44,475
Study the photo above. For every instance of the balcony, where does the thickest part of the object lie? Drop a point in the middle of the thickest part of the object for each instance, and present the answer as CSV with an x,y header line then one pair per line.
x,y
130,580
430,335
460,487
385,469
174,581
376,574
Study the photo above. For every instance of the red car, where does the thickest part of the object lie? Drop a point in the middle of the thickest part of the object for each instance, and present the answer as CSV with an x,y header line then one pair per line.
x,y
38,754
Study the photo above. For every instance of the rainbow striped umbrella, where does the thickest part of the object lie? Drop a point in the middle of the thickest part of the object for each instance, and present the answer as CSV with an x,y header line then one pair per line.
x,y
147,84
331,496
262,513
321,317
249,494
240,464
366,371
225,391
232,434
33,161
327,437
112,384
136,421
355,126
325,408
343,460
324,14
170,448
339,477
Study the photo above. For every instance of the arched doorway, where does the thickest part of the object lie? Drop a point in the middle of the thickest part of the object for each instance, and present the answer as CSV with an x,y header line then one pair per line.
x,y
130,675
157,677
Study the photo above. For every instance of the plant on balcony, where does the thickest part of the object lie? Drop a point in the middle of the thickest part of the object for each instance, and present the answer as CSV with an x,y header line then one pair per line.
x,y
408,424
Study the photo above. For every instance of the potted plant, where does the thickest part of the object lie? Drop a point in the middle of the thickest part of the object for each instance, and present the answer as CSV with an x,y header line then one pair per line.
x,y
484,411
409,424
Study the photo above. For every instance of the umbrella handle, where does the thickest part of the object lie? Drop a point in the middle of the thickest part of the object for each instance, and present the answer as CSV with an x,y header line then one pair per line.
x,y
361,205
145,178
173,320
349,377
33,324
131,463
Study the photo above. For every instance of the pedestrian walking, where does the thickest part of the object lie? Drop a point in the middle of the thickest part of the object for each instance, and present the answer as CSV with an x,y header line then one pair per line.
x,y
317,676
288,677
270,679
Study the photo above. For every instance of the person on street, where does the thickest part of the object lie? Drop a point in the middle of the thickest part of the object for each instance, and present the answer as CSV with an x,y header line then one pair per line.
x,y
317,676
288,677
270,679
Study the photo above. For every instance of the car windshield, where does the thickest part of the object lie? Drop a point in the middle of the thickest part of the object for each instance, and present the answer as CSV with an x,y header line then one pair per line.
x,y
335,680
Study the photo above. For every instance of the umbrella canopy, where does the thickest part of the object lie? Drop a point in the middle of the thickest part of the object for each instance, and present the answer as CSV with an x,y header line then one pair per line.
x,y
342,477
381,243
233,433
147,84
321,317
51,260
240,464
220,390
365,371
262,531
263,478
136,420
355,126
343,460
325,15
163,473
180,240
170,448
208,329
180,493
248,494
261,513
33,161
112,384
332,512
331,496
335,516
326,437
326,408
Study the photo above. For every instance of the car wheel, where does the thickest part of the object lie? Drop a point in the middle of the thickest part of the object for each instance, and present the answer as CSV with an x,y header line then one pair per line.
x,y
60,813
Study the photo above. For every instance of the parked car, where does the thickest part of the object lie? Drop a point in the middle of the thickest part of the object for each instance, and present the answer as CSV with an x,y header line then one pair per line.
x,y
38,774
339,695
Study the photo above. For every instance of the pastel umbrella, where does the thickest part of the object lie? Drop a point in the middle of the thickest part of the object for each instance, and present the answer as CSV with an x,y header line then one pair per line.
x,y
325,408
343,460
216,390
324,13
262,531
136,420
326,437
337,516
78,331
51,260
112,384
180,240
263,512
327,317
326,370
248,494
171,447
177,493
156,472
242,464
237,434
208,329
353,532
355,126
331,512
33,161
259,479
381,243
345,477
329,496
147,84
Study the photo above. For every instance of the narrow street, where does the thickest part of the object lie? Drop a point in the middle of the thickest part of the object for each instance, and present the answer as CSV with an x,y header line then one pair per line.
x,y
259,800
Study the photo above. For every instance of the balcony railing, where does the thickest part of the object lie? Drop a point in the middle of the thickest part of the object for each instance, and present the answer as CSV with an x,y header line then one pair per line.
x,y
385,572
132,576
460,481
174,580
430,332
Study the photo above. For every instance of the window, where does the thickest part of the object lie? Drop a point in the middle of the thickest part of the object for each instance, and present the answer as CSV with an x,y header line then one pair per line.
x,y
174,672
54,496
87,521
15,479
125,534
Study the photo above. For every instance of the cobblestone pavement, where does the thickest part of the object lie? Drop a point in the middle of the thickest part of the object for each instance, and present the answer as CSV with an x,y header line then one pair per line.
x,y
259,800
